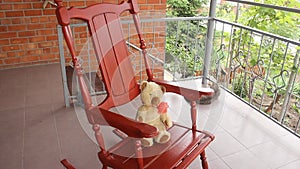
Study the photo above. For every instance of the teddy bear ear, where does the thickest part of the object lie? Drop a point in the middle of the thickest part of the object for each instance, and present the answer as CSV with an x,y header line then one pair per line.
x,y
163,88
143,85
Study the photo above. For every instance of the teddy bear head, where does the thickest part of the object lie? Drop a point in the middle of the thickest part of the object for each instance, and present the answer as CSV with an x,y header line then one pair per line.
x,y
151,93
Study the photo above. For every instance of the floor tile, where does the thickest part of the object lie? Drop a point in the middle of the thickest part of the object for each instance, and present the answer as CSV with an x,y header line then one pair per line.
x,y
273,154
72,135
11,156
223,138
12,98
244,160
218,164
12,122
41,146
251,133
292,165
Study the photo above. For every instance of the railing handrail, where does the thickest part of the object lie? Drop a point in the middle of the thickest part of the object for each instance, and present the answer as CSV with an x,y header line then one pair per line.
x,y
295,10
291,41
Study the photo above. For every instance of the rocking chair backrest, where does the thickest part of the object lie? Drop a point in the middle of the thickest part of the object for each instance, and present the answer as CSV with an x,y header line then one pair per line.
x,y
109,44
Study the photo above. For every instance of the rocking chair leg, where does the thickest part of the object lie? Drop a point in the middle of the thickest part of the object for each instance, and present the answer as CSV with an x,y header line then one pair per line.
x,y
203,160
67,164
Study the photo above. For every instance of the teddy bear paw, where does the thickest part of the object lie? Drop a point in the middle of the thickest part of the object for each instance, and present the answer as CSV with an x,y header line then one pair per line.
x,y
147,142
163,137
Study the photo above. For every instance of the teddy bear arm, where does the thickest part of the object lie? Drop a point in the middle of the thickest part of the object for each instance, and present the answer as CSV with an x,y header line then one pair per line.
x,y
166,119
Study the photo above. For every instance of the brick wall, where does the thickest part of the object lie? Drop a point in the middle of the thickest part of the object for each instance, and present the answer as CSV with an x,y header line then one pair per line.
x,y
28,34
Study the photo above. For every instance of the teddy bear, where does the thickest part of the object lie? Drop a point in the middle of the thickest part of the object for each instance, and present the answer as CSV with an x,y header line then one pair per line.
x,y
154,112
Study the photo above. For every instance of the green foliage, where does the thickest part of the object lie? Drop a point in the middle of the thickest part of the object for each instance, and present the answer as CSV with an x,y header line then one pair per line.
x,y
184,42
272,54
184,8
271,20
184,46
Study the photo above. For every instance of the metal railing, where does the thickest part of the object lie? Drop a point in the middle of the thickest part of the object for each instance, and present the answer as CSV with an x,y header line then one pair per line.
x,y
260,68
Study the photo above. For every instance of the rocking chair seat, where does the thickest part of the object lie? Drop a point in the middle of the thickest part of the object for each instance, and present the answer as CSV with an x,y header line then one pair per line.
x,y
183,147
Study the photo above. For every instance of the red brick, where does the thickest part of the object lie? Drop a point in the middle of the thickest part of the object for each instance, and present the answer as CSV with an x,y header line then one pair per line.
x,y
142,1
2,14
50,25
8,35
30,45
26,33
10,47
12,0
15,54
49,11
37,39
14,13
45,44
22,6
6,7
153,1
35,26
77,3
35,52
37,5
52,19
44,19
35,19
160,7
3,28
1,62
5,21
12,60
3,55
33,13
50,38
16,27
4,41
46,50
19,41
29,58
55,49
88,3
44,32
18,21
48,57
146,7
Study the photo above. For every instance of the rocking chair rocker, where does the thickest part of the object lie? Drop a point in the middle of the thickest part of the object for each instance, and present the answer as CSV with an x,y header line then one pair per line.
x,y
186,143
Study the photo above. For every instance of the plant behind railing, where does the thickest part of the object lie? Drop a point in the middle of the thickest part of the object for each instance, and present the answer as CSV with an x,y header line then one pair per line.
x,y
263,68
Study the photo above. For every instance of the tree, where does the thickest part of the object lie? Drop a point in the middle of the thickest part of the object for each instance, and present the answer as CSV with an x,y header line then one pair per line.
x,y
184,8
274,21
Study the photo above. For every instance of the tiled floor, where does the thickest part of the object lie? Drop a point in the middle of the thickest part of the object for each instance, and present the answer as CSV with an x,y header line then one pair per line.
x,y
37,131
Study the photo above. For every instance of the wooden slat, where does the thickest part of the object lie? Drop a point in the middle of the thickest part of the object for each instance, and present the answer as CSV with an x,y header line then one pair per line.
x,y
167,155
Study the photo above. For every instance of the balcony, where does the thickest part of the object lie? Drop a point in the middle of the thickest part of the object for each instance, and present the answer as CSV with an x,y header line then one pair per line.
x,y
251,122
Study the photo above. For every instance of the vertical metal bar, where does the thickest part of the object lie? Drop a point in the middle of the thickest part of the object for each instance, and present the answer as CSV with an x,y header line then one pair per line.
x,y
176,45
197,54
237,12
62,66
209,40
268,71
289,87
89,63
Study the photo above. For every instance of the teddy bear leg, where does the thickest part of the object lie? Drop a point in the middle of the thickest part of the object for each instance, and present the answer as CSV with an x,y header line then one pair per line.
x,y
163,137
147,142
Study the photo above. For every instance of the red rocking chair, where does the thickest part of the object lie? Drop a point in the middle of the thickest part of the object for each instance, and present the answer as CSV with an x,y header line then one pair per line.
x,y
186,143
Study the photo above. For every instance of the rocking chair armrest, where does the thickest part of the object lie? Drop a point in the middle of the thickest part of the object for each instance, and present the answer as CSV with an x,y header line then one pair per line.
x,y
130,127
191,89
